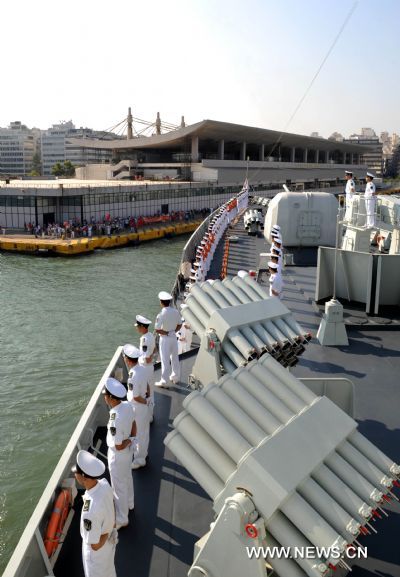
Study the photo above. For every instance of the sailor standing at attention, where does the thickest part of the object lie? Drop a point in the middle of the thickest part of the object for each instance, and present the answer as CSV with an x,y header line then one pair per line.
x,y
275,281
276,259
97,517
370,201
277,252
137,395
167,324
277,241
350,190
275,231
120,427
147,346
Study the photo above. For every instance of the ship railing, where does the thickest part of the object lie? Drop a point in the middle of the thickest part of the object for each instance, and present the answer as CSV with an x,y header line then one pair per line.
x,y
30,557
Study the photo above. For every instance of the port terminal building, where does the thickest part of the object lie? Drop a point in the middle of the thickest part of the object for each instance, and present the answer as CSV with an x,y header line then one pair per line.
x,y
212,151
189,168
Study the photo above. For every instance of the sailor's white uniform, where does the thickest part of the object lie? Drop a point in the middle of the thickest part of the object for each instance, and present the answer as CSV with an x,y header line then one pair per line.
x,y
275,280
184,335
98,518
167,320
147,346
276,284
119,461
350,190
137,387
370,203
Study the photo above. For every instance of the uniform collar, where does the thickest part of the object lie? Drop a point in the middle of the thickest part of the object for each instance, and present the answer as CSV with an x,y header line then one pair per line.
x,y
93,490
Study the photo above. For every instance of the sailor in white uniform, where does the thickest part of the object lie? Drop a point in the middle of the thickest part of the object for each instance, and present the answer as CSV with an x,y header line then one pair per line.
x,y
277,240
184,336
276,259
370,201
147,345
275,231
278,252
167,324
120,428
138,396
275,281
97,517
350,190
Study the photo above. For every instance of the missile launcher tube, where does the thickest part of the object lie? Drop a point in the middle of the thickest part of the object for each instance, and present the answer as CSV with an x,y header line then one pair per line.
x,y
277,388
342,493
329,509
234,415
374,454
357,482
196,466
205,446
260,415
364,466
281,411
210,419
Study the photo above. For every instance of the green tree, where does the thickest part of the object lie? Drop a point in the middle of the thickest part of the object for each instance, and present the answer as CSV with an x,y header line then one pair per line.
x,y
66,169
36,165
69,168
58,169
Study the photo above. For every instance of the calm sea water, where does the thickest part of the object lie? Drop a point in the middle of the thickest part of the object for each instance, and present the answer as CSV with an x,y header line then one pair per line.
x,y
60,322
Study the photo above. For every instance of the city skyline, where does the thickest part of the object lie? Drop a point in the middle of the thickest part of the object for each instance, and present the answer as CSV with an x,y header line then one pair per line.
x,y
314,133
224,61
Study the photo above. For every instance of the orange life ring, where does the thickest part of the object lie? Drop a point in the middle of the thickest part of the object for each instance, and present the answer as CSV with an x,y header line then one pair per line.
x,y
57,521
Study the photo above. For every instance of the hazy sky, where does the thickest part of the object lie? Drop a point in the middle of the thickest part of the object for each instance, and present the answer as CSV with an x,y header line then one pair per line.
x,y
247,62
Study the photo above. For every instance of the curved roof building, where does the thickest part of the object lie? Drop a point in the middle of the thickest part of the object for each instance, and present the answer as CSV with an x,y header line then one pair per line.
x,y
219,151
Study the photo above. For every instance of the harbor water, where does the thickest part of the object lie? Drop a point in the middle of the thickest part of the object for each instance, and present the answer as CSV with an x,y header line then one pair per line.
x,y
60,323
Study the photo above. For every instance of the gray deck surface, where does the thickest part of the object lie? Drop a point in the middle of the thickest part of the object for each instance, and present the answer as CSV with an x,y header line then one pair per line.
x,y
171,510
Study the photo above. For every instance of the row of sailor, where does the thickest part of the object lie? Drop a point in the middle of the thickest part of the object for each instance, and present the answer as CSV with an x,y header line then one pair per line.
x,y
216,228
369,198
106,508
275,263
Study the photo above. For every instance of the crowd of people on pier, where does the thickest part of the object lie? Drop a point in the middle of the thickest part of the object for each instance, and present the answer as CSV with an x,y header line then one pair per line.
x,y
109,225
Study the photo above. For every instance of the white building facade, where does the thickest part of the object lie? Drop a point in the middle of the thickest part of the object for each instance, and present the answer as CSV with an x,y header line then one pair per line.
x,y
17,147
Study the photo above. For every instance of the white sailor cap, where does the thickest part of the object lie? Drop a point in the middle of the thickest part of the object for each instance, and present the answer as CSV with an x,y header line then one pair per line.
x,y
88,465
272,265
193,270
196,263
114,388
203,241
164,296
348,172
278,251
131,352
276,227
242,273
370,175
140,320
277,239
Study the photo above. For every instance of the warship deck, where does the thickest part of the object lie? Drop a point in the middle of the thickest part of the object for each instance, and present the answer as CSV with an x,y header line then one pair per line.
x,y
172,511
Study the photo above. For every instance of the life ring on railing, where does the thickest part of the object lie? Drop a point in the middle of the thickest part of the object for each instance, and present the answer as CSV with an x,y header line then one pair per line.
x,y
57,521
